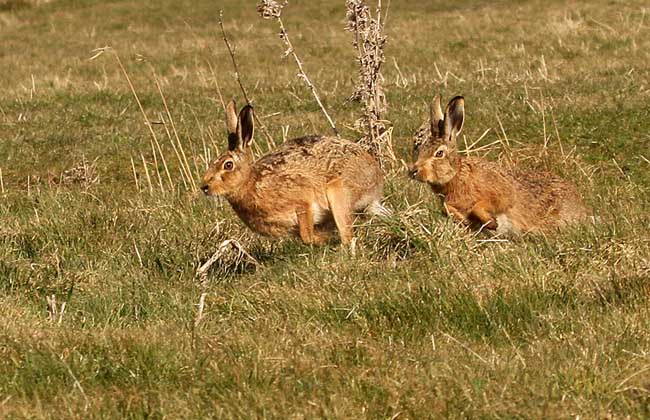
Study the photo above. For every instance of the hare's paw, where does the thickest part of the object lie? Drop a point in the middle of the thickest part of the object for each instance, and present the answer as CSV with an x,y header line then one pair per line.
x,y
321,237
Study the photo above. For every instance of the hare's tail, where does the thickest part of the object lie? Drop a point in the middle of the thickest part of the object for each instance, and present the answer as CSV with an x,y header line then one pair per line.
x,y
375,208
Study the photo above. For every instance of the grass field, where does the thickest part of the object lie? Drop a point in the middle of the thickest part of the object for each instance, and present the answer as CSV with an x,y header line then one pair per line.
x,y
425,320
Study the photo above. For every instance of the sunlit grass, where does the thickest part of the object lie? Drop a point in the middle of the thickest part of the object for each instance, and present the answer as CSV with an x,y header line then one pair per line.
x,y
424,319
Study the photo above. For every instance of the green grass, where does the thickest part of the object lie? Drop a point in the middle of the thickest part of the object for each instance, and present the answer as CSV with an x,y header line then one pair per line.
x,y
425,320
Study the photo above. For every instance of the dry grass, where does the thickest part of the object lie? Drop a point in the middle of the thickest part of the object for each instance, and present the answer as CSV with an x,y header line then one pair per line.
x,y
13,5
425,319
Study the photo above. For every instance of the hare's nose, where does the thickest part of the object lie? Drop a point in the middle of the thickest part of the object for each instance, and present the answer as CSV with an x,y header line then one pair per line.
x,y
413,172
205,189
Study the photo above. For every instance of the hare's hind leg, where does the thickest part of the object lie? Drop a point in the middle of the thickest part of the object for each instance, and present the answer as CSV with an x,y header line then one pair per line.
x,y
338,198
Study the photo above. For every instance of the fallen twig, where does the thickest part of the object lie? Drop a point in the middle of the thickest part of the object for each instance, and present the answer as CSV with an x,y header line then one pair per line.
x,y
202,271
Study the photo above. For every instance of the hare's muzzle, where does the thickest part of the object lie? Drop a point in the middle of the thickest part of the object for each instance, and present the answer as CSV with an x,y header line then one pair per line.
x,y
413,172
205,188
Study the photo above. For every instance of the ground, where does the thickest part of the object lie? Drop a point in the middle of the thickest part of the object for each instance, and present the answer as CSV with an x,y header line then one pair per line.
x,y
423,320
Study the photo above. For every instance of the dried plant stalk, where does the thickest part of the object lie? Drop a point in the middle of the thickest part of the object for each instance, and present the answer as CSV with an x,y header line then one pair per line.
x,y
147,122
369,40
2,183
185,170
270,9
269,138
146,171
199,312
153,140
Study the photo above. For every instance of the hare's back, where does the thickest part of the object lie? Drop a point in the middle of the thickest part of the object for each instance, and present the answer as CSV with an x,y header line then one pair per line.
x,y
545,185
317,157
551,195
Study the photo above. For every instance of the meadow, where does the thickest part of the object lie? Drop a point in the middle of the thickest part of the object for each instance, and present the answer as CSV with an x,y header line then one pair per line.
x,y
102,229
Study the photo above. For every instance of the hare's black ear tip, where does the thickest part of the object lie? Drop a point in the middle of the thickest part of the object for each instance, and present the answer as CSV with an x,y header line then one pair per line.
x,y
457,101
246,111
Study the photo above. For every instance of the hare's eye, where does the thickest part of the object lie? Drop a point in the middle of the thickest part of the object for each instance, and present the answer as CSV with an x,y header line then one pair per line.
x,y
440,153
228,165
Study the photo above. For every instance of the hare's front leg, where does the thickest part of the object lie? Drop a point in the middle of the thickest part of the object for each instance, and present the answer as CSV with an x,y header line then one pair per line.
x,y
455,213
306,227
338,198
481,211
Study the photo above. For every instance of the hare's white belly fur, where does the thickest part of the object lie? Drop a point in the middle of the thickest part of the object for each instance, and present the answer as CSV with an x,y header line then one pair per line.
x,y
505,225
319,212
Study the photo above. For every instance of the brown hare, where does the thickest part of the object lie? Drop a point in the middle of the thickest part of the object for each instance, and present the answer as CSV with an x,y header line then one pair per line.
x,y
304,188
483,194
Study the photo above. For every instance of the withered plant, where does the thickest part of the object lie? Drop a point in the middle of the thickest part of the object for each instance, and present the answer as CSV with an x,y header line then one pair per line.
x,y
369,40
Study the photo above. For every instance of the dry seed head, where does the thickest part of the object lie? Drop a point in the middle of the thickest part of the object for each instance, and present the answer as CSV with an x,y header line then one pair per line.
x,y
270,9
369,41
357,15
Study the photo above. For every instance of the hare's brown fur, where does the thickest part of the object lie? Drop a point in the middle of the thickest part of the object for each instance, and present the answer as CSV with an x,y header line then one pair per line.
x,y
304,188
483,194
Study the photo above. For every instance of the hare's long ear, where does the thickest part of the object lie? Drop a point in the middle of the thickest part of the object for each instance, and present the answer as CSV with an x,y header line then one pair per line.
x,y
246,127
231,124
231,117
436,117
454,117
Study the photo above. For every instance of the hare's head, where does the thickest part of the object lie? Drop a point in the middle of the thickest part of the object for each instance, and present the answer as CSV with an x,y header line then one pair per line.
x,y
228,173
436,159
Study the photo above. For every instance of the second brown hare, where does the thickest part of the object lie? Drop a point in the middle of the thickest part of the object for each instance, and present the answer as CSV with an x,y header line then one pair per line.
x,y
483,194
305,188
